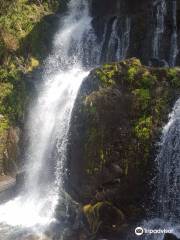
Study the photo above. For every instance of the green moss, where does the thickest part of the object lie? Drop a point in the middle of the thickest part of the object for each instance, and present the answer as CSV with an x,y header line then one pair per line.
x,y
121,122
24,32
19,53
143,97
103,216
107,73
13,94
147,79
133,62
92,215
143,128
131,73
4,125
160,106
22,17
105,77
174,76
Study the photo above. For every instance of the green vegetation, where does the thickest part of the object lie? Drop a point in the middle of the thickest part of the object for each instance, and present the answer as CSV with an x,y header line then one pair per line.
x,y
106,76
143,128
174,76
4,125
103,217
131,73
122,119
148,96
23,45
21,28
143,96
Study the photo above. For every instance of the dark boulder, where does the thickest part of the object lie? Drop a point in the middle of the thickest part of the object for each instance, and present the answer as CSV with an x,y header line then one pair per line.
x,y
115,123
155,62
169,236
104,218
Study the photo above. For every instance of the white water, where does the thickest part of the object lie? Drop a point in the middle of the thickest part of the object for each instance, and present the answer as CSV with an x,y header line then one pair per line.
x,y
167,197
48,125
123,42
113,40
119,39
75,46
160,7
174,44
168,164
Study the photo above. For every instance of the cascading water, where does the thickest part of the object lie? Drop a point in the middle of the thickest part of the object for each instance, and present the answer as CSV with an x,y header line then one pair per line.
x,y
169,168
113,40
123,43
160,8
76,50
119,40
174,44
167,197
48,125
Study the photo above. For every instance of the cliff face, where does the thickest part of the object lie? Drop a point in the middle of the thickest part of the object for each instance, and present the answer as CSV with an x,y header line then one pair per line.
x,y
153,30
143,29
117,119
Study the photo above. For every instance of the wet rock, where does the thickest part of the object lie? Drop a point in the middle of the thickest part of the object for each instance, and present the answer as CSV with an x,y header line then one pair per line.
x,y
113,130
169,236
68,234
20,180
35,237
155,62
69,222
104,218
12,151
143,23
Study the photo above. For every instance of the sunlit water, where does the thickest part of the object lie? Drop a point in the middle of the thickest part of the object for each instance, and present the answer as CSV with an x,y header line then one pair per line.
x,y
48,125
161,9
166,213
76,50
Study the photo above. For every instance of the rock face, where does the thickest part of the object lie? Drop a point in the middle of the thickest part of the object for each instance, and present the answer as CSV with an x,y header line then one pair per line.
x,y
117,119
12,152
9,148
169,236
153,28
104,218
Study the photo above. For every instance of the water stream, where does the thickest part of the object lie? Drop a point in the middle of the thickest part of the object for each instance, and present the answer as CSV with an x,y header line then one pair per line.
x,y
167,211
160,8
174,37
75,51
48,125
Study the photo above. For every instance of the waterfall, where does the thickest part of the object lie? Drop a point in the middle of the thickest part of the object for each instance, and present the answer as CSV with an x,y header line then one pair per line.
x,y
113,40
48,123
123,42
116,43
168,164
167,211
160,8
174,44
75,51
120,38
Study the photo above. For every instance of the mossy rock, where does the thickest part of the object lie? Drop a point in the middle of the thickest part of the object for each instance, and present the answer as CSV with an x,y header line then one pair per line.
x,y
104,218
149,91
118,117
